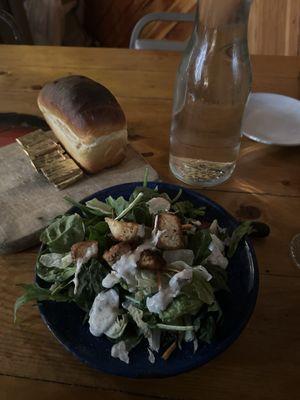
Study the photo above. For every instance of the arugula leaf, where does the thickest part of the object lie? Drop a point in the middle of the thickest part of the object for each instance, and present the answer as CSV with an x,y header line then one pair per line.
x,y
101,228
118,205
245,228
130,206
89,283
91,221
59,286
206,323
188,210
63,233
33,292
219,277
141,215
199,243
99,232
148,194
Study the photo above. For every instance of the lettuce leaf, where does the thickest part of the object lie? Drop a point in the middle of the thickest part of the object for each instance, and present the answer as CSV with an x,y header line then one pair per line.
x,y
181,305
55,274
63,233
55,267
200,288
146,282
192,297
118,327
86,211
56,260
99,206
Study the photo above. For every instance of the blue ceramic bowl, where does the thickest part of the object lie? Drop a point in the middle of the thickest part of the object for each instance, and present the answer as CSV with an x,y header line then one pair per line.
x,y
65,320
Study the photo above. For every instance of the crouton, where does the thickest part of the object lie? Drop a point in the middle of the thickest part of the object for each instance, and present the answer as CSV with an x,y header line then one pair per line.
x,y
116,252
125,231
84,251
172,236
151,260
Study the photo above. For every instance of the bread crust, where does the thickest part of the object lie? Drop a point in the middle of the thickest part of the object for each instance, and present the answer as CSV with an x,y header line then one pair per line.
x,y
87,119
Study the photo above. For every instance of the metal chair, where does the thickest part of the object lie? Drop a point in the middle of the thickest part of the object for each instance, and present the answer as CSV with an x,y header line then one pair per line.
x,y
151,44
12,34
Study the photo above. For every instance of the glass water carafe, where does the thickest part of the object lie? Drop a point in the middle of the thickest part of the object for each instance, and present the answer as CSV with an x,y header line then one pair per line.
x,y
212,87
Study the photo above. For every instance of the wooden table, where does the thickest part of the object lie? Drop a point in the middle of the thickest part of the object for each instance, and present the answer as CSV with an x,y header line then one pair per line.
x,y
264,363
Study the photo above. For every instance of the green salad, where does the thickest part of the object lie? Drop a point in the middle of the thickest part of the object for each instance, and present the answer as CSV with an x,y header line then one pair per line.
x,y
147,268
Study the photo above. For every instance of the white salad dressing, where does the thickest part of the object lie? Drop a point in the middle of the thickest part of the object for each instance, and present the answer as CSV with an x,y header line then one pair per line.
x,y
125,267
158,204
90,252
151,356
196,343
104,312
189,336
180,279
110,280
154,339
216,257
119,351
160,301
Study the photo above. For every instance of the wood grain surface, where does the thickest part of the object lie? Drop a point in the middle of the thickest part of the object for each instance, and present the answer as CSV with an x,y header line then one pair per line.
x,y
21,224
274,25
264,362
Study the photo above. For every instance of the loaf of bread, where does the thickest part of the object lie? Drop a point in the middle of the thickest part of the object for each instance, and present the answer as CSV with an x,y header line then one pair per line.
x,y
87,119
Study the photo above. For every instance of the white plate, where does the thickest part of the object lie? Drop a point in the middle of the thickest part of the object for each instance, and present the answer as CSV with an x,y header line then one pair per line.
x,y
272,119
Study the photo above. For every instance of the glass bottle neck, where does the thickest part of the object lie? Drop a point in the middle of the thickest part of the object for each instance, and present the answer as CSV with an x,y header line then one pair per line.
x,y
217,14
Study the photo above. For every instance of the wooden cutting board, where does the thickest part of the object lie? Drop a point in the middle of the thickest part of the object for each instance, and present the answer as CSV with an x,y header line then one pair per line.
x,y
28,201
